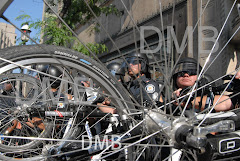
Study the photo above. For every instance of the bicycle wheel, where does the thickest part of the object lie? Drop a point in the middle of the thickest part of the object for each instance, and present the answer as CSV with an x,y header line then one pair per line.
x,y
162,135
36,113
17,91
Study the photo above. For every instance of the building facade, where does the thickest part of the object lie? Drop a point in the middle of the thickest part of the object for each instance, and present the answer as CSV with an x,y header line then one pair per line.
x,y
7,35
167,30
222,17
140,26
206,18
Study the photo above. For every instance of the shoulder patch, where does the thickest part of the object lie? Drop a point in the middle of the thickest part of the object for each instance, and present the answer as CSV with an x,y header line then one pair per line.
x,y
150,88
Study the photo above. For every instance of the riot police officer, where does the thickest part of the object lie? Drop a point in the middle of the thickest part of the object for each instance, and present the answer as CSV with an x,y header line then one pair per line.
x,y
141,86
184,77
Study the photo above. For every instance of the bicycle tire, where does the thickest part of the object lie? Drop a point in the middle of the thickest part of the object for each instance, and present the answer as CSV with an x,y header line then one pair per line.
x,y
59,56
148,154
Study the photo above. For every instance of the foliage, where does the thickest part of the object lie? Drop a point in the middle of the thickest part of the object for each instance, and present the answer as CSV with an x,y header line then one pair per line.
x,y
95,48
32,25
77,12
74,13
60,36
55,35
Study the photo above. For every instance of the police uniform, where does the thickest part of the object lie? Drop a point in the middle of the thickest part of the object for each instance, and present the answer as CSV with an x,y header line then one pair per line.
x,y
151,88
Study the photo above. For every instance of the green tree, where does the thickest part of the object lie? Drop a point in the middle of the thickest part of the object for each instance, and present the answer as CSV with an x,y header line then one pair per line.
x,y
74,13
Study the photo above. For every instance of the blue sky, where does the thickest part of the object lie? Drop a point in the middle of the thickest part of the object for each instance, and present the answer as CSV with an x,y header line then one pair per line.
x,y
29,7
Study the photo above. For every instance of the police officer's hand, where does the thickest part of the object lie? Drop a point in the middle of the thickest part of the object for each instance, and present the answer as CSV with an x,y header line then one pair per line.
x,y
176,93
107,101
105,108
179,92
86,83
237,75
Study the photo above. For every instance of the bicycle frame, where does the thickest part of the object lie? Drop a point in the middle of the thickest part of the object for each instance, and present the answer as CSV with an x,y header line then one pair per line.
x,y
4,5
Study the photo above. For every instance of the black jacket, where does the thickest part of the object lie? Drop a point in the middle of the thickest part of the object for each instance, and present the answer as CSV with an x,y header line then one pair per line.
x,y
150,90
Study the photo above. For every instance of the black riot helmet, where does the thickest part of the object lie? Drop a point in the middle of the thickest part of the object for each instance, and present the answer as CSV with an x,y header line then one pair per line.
x,y
185,65
138,58
41,67
49,69
116,70
54,71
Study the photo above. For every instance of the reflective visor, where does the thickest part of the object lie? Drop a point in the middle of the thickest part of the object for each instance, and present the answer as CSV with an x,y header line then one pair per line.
x,y
185,67
131,60
189,72
113,72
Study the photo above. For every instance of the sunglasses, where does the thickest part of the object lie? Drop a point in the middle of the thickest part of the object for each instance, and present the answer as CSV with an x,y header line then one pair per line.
x,y
190,73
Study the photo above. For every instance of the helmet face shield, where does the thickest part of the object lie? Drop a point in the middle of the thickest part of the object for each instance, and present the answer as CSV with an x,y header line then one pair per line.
x,y
113,72
133,60
183,67
189,72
